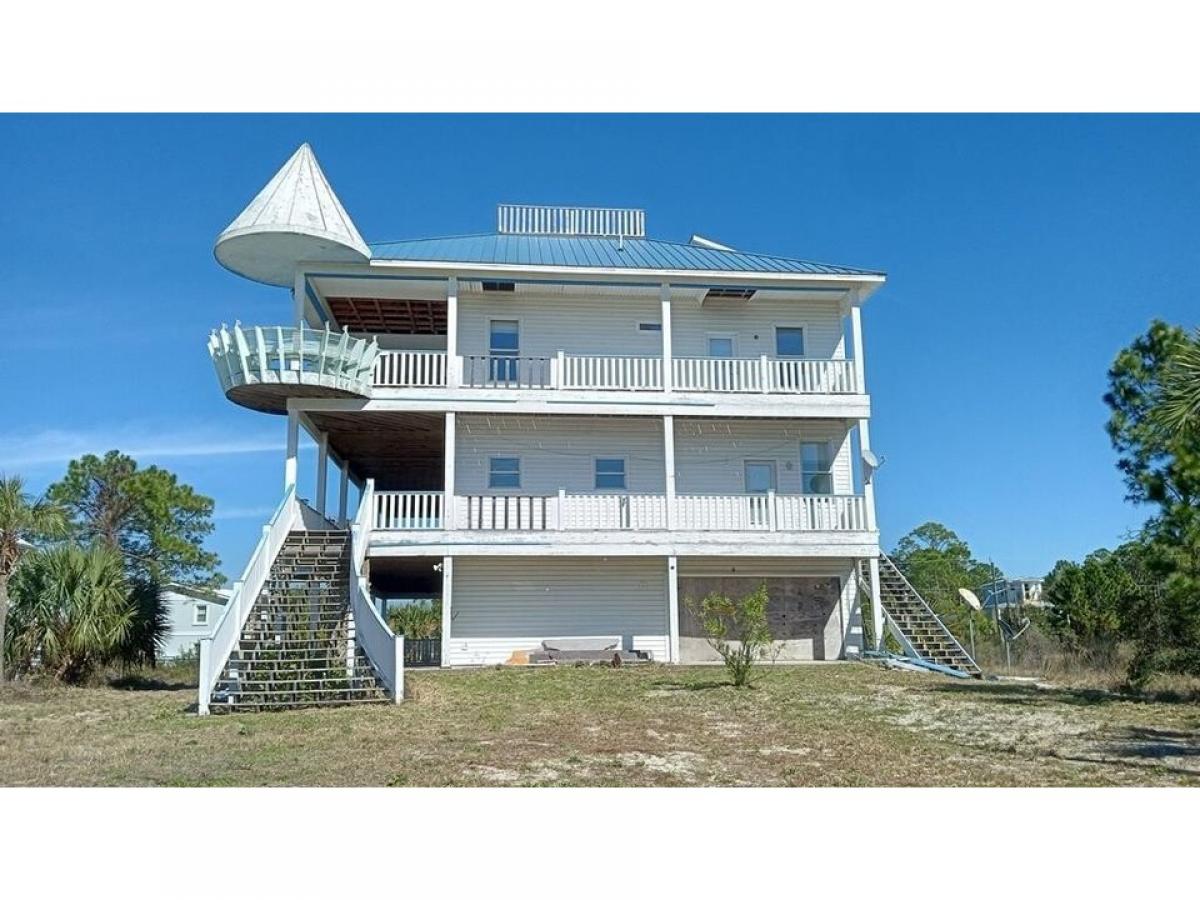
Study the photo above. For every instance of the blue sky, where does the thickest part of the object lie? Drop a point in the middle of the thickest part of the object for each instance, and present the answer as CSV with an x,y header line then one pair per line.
x,y
1022,254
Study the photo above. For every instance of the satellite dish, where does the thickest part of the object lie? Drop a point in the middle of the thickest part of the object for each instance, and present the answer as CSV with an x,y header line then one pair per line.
x,y
969,598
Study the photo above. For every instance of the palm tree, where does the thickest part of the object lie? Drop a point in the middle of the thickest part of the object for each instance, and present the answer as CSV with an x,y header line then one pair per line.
x,y
22,519
1181,387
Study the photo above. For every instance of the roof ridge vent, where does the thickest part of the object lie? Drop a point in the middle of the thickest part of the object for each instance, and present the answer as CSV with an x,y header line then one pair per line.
x,y
570,221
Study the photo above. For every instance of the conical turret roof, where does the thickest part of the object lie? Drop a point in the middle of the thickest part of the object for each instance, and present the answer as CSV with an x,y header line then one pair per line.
x,y
296,217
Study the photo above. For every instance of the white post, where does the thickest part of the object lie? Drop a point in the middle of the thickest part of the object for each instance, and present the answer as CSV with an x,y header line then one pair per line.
x,y
876,606
764,373
559,375
562,509
772,525
293,447
343,494
856,344
664,296
669,460
453,372
299,298
450,444
398,650
673,607
447,591
205,681
322,470
850,649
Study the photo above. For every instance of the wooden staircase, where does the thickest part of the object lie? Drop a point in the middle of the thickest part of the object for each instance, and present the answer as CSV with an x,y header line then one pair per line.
x,y
926,635
298,647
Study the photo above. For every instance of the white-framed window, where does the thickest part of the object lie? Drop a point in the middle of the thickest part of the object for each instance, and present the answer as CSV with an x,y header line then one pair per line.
x,y
504,346
650,326
610,473
789,341
200,614
761,476
504,472
816,467
721,346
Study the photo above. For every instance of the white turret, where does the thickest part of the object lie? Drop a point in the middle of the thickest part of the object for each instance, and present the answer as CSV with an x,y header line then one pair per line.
x,y
296,217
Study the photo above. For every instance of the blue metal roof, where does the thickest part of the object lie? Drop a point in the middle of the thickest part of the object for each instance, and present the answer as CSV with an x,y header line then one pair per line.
x,y
632,253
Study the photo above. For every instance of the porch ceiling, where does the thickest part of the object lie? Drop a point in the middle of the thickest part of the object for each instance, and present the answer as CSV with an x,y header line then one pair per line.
x,y
369,315
401,451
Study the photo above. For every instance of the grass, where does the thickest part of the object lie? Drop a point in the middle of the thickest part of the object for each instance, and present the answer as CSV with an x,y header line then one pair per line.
x,y
833,724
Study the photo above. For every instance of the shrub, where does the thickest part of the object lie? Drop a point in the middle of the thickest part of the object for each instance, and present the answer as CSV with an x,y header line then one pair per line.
x,y
737,629
417,619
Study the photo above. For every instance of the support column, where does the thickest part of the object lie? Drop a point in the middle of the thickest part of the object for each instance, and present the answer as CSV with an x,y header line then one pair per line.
x,y
343,493
668,375
447,591
876,606
299,299
450,443
293,447
322,470
669,460
453,372
673,608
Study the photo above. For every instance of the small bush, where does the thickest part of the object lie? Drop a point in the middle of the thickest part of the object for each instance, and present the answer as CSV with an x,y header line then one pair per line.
x,y
416,620
737,629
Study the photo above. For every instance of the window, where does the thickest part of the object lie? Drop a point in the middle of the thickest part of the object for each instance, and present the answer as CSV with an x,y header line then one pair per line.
x,y
504,287
504,345
729,294
816,468
760,476
650,326
504,472
200,614
720,347
610,474
789,341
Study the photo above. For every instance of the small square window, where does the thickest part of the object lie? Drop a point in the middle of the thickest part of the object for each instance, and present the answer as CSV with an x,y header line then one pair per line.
x,y
200,614
789,342
504,472
610,474
720,347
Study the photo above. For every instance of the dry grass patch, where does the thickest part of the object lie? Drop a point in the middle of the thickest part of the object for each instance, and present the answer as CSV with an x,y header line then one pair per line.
x,y
849,724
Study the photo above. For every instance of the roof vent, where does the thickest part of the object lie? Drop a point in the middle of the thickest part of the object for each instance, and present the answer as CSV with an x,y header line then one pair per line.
x,y
505,287
729,294
571,221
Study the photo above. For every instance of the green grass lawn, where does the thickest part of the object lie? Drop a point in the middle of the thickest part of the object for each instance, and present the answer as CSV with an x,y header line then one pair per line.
x,y
832,724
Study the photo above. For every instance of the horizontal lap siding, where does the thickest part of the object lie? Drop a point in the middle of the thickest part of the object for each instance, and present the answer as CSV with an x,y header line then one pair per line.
x,y
753,324
558,452
710,454
504,604
588,326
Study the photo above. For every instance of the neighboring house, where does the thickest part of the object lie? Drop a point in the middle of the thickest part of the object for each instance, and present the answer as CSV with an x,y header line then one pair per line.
x,y
192,614
1013,593
564,428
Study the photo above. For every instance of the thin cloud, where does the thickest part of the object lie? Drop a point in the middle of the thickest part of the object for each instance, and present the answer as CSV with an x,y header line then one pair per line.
x,y
143,443
223,513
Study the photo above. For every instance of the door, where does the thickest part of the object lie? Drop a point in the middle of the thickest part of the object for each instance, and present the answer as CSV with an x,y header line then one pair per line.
x,y
760,480
504,348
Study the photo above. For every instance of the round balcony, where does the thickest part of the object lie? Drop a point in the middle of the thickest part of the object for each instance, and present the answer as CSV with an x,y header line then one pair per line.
x,y
261,367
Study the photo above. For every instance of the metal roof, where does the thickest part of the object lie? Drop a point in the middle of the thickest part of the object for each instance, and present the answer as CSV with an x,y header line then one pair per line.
x,y
597,252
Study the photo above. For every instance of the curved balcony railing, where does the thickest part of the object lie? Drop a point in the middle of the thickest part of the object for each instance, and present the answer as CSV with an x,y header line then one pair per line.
x,y
261,366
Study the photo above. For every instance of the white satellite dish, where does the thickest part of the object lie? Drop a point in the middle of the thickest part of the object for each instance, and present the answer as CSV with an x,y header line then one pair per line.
x,y
968,597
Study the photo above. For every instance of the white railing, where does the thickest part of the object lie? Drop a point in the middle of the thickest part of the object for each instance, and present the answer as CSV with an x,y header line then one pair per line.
x,y
610,373
812,376
725,375
608,512
584,221
384,648
410,368
215,650
278,355
424,511
526,372
408,510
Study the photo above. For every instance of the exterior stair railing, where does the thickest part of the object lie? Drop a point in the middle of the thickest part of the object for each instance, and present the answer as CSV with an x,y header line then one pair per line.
x,y
215,650
278,355
383,648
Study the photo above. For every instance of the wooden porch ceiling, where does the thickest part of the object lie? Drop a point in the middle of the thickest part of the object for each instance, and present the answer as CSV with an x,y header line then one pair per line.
x,y
387,316
401,451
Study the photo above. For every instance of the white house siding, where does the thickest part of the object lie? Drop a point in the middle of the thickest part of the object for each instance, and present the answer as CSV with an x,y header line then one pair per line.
x,y
752,324
588,326
838,635
710,454
501,604
558,452
182,634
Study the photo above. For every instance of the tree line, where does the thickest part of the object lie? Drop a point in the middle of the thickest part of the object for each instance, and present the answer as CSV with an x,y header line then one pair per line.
x,y
83,567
